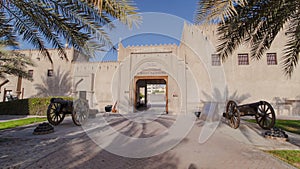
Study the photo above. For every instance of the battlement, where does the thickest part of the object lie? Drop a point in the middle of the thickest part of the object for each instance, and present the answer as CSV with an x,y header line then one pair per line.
x,y
145,49
152,45
37,50
36,55
206,32
157,48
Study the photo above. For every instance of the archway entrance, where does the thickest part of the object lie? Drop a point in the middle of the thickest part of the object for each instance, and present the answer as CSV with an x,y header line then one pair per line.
x,y
151,92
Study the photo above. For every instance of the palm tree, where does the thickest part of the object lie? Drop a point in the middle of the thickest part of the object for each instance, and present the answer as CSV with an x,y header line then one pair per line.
x,y
54,22
256,22
11,62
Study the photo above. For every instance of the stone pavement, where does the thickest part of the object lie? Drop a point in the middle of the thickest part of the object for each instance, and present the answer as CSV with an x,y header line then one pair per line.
x,y
70,147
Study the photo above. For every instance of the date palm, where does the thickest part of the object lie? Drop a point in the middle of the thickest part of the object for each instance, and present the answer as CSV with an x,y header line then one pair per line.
x,y
11,62
55,22
256,22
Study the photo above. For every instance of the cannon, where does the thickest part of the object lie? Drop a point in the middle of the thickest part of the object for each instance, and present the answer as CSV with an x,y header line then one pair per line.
x,y
58,108
262,110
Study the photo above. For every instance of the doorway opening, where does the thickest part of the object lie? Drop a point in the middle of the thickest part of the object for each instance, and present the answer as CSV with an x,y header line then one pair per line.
x,y
151,92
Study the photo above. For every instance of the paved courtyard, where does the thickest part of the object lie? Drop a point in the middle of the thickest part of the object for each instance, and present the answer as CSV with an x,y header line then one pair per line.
x,y
70,147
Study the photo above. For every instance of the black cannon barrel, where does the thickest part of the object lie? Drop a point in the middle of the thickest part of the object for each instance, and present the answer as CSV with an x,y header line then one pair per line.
x,y
60,100
249,109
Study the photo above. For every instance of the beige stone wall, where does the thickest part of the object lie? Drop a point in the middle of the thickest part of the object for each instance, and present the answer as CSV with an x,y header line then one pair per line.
x,y
42,85
244,83
264,81
196,49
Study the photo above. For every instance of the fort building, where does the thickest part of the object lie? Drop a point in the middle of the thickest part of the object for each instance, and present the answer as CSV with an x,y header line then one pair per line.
x,y
191,74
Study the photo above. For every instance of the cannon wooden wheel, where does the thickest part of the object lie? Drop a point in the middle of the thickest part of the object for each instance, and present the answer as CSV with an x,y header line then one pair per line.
x,y
233,114
81,111
265,116
55,114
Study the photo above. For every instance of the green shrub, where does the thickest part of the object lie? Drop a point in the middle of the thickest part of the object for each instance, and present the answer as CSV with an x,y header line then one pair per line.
x,y
31,106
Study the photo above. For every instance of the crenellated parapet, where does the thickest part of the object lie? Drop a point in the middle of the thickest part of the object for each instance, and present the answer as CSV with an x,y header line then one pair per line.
x,y
72,55
124,52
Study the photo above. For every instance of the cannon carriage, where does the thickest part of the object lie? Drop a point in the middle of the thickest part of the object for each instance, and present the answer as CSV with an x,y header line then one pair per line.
x,y
58,108
262,110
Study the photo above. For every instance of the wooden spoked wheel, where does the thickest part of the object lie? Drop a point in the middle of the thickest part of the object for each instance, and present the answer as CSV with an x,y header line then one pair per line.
x,y
55,114
265,116
233,114
80,113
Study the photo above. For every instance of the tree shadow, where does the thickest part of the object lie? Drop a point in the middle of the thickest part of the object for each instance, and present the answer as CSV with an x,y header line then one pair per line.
x,y
86,154
57,85
139,129
214,104
218,96
83,152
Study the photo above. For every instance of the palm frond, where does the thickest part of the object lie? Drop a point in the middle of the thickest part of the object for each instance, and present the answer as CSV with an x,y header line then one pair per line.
x,y
14,63
292,50
53,22
124,10
269,22
7,36
11,62
256,23
210,11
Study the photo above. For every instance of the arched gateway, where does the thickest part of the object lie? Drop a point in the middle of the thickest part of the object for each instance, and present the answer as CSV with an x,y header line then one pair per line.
x,y
150,65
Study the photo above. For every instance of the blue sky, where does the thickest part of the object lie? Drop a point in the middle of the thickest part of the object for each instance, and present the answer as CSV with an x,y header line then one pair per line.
x,y
157,28
184,10
180,8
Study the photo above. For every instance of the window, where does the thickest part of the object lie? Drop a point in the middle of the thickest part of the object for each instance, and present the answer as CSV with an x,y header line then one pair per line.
x,y
82,94
271,59
215,60
243,59
30,73
50,72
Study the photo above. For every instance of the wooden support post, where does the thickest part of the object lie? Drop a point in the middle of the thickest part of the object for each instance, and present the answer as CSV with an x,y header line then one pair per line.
x,y
3,83
22,93
4,95
19,85
167,96
146,95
